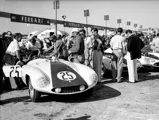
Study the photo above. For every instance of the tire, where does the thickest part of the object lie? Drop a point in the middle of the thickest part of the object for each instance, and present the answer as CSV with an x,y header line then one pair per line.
x,y
34,94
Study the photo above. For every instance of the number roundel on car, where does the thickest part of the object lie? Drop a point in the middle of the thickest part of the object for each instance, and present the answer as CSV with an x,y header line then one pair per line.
x,y
66,75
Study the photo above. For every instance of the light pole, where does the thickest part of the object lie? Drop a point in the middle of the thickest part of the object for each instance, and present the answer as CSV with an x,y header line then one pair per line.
x,y
106,18
141,26
56,6
86,14
128,24
64,17
119,21
135,26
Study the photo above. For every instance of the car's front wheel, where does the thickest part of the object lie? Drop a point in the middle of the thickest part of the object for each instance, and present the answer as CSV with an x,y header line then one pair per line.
x,y
34,94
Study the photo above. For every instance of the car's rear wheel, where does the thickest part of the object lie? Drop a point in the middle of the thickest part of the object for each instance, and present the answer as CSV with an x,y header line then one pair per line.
x,y
34,94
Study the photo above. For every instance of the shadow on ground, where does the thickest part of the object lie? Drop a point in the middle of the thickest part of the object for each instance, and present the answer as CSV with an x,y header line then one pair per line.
x,y
15,100
100,92
80,118
146,76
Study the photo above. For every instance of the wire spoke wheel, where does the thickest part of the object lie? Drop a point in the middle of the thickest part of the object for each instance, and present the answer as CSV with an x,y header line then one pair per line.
x,y
34,94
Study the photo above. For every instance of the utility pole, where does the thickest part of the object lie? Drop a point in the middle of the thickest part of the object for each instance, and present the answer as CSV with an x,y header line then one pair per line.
x,y
56,6
86,14
106,18
119,22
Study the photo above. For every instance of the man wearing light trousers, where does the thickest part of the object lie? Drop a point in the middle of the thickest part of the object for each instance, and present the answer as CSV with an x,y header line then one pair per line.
x,y
134,46
116,45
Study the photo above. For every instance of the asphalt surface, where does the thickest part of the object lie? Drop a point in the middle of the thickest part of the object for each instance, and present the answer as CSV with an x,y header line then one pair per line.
x,y
110,101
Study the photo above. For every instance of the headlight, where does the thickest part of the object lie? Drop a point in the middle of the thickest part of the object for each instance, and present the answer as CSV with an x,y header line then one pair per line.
x,y
58,90
42,82
152,60
82,87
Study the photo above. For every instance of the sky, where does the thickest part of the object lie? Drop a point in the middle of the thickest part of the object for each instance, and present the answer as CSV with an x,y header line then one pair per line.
x,y
140,12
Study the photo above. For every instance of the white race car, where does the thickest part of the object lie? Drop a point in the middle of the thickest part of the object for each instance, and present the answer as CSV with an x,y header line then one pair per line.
x,y
54,76
149,59
106,63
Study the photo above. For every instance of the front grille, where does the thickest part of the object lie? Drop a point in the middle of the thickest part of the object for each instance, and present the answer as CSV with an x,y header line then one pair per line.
x,y
70,89
156,64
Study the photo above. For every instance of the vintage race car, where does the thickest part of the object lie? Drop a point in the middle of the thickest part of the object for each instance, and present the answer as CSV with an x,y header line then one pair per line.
x,y
54,76
149,59
106,63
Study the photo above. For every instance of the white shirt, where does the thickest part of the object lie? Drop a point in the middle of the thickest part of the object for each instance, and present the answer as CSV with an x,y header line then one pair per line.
x,y
30,46
13,47
155,44
117,41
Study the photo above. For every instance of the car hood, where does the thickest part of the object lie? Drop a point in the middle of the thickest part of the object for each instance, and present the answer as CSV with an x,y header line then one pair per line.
x,y
60,73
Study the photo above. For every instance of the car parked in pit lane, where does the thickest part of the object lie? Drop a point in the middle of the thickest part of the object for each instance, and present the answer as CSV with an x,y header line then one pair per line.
x,y
54,77
106,63
149,59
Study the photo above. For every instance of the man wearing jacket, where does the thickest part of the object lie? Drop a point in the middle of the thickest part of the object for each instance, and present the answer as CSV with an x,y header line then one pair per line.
x,y
1,65
134,46
76,51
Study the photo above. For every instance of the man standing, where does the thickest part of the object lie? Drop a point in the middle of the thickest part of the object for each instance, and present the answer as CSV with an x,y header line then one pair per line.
x,y
1,65
116,45
97,52
134,46
77,49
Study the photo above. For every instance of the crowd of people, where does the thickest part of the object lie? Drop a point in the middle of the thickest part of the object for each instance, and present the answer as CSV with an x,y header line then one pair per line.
x,y
78,48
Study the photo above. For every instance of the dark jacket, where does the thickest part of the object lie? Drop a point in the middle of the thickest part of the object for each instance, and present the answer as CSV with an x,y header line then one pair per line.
x,y
134,46
1,51
78,45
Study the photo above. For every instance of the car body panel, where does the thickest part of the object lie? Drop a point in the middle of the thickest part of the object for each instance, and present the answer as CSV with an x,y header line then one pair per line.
x,y
107,61
48,74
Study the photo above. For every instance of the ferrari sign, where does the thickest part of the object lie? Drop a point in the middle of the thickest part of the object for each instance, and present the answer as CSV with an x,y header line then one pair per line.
x,y
75,25
66,76
29,19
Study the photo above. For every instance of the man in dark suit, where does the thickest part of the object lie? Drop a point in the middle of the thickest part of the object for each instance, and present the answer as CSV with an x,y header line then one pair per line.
x,y
134,46
1,65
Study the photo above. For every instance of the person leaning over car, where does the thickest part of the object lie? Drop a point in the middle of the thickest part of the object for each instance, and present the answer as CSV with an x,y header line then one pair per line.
x,y
155,43
59,49
33,46
11,57
116,44
134,46
76,51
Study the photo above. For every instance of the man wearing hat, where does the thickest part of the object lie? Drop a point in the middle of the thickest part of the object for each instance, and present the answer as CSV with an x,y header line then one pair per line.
x,y
76,51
